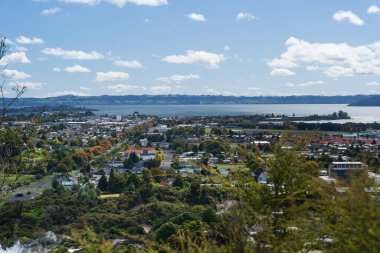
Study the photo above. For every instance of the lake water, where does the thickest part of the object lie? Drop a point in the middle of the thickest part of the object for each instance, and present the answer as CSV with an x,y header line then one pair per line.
x,y
358,114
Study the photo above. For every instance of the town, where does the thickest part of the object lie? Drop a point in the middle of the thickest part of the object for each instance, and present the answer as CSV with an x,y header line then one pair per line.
x,y
109,158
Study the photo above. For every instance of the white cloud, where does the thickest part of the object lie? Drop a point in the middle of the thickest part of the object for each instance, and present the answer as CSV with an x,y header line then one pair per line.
x,y
282,72
14,74
196,17
373,84
253,88
73,69
306,84
245,16
313,68
77,69
20,49
149,2
129,64
26,40
51,11
335,60
161,89
28,85
17,57
373,10
209,60
118,3
111,76
86,2
85,88
73,54
178,78
349,16
338,71
122,87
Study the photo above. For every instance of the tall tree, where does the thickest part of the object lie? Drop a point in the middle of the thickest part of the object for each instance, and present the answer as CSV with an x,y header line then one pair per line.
x,y
103,184
8,167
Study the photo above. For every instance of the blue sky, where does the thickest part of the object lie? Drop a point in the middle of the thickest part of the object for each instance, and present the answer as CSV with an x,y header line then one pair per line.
x,y
227,47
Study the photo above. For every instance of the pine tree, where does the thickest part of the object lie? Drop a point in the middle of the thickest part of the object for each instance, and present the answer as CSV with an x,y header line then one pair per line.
x,y
112,182
103,184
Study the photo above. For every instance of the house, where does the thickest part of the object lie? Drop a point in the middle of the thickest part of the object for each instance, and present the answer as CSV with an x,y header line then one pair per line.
x,y
213,160
224,172
148,155
260,176
69,183
343,170
144,142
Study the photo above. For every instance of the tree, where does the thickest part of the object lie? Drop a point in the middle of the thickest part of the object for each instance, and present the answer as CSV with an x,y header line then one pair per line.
x,y
153,163
103,184
133,158
112,181
87,194
166,231
8,167
63,168
19,90
178,182
55,184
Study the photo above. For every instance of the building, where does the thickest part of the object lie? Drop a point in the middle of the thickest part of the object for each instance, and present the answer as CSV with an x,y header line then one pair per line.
x,y
343,170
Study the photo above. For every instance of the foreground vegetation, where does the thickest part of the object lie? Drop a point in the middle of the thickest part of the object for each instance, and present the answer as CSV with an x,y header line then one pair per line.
x,y
295,213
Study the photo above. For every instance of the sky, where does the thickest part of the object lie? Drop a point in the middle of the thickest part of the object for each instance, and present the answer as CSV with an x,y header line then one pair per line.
x,y
208,47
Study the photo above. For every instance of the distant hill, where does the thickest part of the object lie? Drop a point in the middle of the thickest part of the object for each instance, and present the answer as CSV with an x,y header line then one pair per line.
x,y
186,100
370,101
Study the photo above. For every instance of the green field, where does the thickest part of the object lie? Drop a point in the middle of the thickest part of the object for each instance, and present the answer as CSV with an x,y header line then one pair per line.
x,y
20,179
232,167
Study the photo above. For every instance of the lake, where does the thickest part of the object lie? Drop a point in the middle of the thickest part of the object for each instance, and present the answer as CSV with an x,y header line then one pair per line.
x,y
358,114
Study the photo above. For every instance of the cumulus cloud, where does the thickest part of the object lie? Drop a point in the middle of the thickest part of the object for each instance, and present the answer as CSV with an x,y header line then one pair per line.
x,y
111,76
373,9
373,84
20,49
282,72
118,3
348,16
122,87
335,60
209,60
26,40
28,85
17,57
51,11
178,78
245,16
73,69
14,74
196,17
161,89
73,54
129,64
253,88
306,84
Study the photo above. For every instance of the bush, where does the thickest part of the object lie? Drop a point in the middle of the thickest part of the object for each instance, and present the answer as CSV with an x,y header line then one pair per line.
x,y
166,231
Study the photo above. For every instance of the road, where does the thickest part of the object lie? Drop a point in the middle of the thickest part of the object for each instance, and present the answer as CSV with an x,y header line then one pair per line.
x,y
167,159
34,189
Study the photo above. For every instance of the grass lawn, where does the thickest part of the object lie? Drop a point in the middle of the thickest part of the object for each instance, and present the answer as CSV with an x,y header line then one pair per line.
x,y
109,196
20,179
232,167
